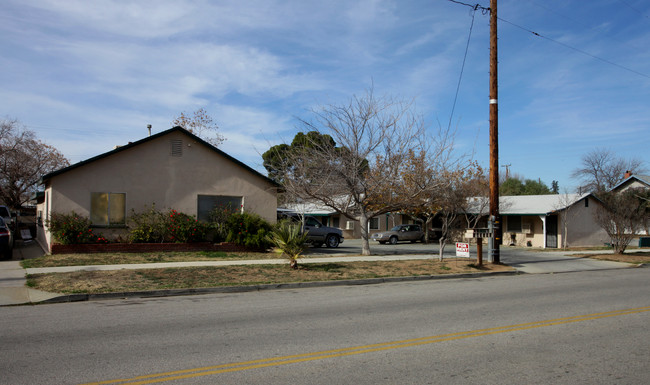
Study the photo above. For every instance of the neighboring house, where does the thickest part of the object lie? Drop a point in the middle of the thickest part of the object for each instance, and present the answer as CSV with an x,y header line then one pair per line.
x,y
547,220
542,221
633,181
350,227
173,169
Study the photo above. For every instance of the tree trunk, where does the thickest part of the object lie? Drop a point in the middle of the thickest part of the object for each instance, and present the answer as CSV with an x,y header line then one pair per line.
x,y
365,244
426,229
443,242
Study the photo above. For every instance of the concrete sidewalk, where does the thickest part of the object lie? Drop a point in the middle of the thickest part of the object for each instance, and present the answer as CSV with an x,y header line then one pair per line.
x,y
13,285
13,289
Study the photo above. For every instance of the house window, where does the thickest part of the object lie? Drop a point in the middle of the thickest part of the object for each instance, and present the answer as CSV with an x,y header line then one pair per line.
x,y
374,223
176,147
349,225
108,209
514,224
224,203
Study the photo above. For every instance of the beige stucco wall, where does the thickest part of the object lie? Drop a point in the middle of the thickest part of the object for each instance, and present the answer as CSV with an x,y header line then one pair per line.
x,y
582,229
535,236
148,174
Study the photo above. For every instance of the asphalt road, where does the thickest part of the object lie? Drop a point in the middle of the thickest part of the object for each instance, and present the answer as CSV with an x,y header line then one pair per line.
x,y
587,327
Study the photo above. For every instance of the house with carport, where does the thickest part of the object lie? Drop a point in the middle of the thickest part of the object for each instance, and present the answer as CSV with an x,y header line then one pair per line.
x,y
173,169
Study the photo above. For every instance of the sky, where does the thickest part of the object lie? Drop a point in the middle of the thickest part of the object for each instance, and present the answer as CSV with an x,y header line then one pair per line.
x,y
574,76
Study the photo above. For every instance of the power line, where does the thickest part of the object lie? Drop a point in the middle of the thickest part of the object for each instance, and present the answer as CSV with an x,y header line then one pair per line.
x,y
462,69
476,7
631,7
576,49
485,10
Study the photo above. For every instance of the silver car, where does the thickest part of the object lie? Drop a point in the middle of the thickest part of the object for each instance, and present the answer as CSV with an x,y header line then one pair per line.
x,y
412,233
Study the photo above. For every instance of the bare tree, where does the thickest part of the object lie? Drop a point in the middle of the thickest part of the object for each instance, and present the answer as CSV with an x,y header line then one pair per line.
x,y
23,160
622,215
601,169
202,125
363,176
565,206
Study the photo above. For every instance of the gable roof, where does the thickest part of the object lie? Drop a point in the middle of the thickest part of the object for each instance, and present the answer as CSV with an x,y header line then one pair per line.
x,y
527,204
643,179
148,139
537,204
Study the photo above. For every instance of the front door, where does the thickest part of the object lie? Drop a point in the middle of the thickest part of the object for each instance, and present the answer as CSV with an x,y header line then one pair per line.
x,y
551,231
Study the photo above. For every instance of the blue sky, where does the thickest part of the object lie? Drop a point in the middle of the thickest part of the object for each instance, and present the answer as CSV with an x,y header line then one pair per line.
x,y
89,75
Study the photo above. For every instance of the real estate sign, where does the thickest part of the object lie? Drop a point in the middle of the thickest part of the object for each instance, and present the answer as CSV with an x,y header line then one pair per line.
x,y
462,250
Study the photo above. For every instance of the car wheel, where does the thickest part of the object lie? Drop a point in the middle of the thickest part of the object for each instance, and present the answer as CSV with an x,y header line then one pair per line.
x,y
393,240
332,241
9,254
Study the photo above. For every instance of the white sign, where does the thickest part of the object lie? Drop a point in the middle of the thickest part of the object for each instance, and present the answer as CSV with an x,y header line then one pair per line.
x,y
462,250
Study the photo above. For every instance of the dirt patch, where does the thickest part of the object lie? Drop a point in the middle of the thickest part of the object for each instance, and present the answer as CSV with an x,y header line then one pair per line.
x,y
200,277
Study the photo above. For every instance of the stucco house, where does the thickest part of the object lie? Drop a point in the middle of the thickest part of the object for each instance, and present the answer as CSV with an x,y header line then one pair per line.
x,y
546,221
633,181
173,169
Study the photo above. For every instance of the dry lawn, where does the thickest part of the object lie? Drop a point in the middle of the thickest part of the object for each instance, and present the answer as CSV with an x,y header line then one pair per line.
x,y
126,258
632,257
200,277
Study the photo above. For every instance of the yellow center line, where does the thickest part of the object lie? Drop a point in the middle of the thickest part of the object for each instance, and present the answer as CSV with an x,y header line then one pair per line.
x,y
292,359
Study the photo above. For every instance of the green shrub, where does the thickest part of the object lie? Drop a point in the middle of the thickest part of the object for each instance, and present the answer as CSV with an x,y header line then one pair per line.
x,y
155,226
148,226
185,228
219,217
248,230
71,229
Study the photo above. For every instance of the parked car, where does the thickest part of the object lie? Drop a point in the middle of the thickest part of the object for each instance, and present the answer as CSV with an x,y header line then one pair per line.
x,y
317,233
5,214
6,240
399,233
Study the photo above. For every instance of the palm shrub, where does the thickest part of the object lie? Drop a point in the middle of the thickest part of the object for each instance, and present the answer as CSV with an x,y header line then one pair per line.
x,y
289,241
248,229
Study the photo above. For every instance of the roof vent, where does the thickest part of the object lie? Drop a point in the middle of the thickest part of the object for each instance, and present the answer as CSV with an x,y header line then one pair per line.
x,y
176,147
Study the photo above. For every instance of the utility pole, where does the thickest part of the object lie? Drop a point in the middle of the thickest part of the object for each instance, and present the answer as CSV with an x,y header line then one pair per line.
x,y
495,218
507,166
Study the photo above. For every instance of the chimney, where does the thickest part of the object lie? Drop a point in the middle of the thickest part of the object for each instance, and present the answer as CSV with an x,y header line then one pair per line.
x,y
628,174
149,128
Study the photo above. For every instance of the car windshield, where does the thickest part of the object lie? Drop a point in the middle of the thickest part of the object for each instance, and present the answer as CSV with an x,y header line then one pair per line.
x,y
4,212
396,228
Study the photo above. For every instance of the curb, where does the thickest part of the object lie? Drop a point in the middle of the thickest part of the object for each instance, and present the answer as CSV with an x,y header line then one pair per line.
x,y
271,286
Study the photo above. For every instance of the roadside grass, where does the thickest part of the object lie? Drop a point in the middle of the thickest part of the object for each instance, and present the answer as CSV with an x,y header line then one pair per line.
x,y
93,282
126,258
633,258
